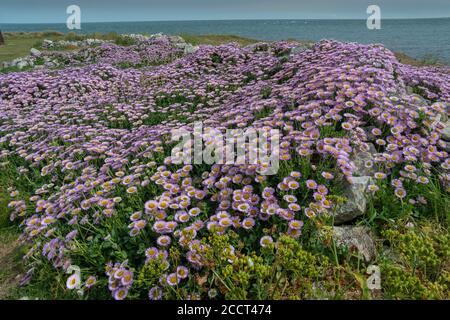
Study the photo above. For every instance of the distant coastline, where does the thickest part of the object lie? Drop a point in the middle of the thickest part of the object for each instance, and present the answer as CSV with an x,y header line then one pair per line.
x,y
212,20
415,37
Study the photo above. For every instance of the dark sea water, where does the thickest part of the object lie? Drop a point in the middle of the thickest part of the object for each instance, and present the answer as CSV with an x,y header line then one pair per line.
x,y
415,37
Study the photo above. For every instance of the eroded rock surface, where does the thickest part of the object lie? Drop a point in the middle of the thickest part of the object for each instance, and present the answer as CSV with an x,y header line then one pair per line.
x,y
356,194
356,238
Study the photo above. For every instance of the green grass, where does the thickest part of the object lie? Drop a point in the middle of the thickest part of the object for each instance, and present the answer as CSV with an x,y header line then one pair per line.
x,y
11,266
216,39
427,60
16,47
10,250
18,44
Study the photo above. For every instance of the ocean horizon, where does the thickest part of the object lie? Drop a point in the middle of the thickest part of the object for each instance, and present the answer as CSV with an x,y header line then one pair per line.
x,y
419,38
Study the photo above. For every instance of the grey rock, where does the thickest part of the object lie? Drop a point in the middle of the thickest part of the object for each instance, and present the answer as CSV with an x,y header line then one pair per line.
x,y
320,292
445,113
445,134
139,37
364,161
356,238
35,52
136,37
22,64
409,89
172,39
189,48
15,61
160,35
180,43
356,200
47,43
51,64
446,146
369,135
418,99
300,48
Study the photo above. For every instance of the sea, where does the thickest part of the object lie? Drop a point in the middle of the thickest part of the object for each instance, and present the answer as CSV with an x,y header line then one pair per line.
x,y
419,38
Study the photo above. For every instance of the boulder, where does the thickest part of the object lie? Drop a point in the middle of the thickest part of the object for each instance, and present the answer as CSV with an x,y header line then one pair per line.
x,y
364,161
445,134
35,52
369,135
51,64
356,238
178,42
137,37
160,35
356,203
446,146
47,44
172,39
409,90
300,48
22,64
417,99
189,48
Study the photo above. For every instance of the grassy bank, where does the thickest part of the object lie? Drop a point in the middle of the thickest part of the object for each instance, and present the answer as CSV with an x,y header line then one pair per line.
x,y
18,44
10,249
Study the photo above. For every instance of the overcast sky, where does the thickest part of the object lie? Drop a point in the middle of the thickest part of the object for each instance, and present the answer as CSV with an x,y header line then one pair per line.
x,y
48,11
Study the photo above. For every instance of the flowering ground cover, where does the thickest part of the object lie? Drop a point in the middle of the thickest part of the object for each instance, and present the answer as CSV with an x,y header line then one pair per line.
x,y
104,212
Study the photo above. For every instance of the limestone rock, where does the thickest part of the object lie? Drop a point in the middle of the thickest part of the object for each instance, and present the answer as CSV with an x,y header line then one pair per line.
x,y
300,48
364,161
356,194
160,35
445,135
189,48
446,146
35,52
356,238
22,64
418,99
180,43
47,44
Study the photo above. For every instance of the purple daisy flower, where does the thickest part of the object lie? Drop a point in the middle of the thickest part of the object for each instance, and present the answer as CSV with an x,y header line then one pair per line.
x,y
155,293
120,294
265,241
